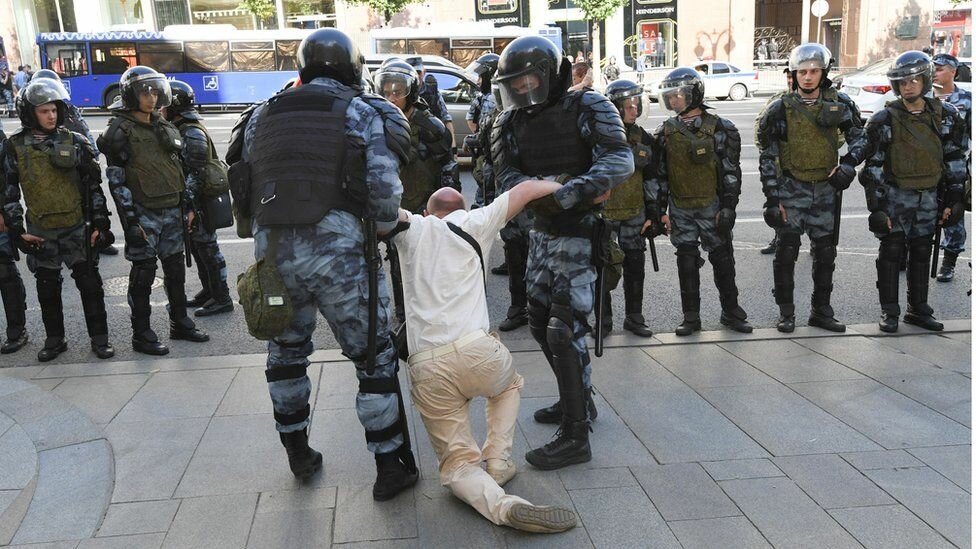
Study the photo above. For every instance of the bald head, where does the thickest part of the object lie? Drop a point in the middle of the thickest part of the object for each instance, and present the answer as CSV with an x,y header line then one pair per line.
x,y
444,201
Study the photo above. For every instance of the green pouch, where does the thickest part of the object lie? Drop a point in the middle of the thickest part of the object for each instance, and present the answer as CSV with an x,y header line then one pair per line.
x,y
831,114
215,180
64,155
615,270
268,310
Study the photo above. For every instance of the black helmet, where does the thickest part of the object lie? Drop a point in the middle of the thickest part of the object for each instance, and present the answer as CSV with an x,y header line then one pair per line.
x,y
531,71
45,73
620,90
398,77
811,56
138,80
911,64
37,93
482,70
329,52
183,96
686,82
417,62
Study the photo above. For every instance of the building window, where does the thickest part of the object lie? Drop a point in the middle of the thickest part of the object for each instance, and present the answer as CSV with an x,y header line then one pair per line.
x,y
55,15
171,12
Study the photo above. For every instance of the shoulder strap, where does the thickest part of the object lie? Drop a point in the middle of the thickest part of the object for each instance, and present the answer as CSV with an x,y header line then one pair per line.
x,y
682,128
474,244
791,102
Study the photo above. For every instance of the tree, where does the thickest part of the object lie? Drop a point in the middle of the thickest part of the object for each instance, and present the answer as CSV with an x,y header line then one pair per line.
x,y
261,10
596,11
388,8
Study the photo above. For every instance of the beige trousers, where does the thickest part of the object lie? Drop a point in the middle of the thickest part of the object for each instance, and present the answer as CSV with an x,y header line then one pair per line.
x,y
442,387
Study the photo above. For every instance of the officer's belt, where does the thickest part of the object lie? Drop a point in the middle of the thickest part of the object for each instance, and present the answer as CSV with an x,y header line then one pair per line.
x,y
446,349
566,224
787,173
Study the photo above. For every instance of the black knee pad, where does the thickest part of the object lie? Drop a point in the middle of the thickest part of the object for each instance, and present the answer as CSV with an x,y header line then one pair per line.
x,y
559,332
720,255
824,249
48,284
141,276
174,269
920,249
788,247
87,279
892,246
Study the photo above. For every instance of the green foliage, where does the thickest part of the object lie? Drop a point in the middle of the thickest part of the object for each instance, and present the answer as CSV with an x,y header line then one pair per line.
x,y
598,10
262,9
388,8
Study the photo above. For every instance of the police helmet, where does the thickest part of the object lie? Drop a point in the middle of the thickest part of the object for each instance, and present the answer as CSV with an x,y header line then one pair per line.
x,y
329,52
684,82
139,80
911,64
37,93
183,96
399,79
417,62
48,74
622,91
482,70
531,71
811,56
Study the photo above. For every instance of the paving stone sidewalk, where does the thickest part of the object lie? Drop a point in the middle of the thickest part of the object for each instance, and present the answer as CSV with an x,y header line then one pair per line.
x,y
722,440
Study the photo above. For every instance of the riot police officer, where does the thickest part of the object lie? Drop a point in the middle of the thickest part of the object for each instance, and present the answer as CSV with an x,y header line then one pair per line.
x,y
697,180
56,172
11,286
914,179
801,131
428,92
145,176
348,163
627,206
578,138
480,117
200,164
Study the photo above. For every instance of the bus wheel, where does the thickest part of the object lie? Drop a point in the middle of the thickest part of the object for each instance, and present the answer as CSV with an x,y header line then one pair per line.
x,y
112,95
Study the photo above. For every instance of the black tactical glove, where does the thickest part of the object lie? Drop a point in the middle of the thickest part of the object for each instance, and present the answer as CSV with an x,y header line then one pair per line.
x,y
104,240
878,222
547,206
470,145
957,211
842,177
726,220
772,215
23,245
134,236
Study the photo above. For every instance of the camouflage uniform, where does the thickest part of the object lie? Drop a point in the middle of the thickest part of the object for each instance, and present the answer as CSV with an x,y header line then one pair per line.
x,y
913,209
11,284
324,269
954,237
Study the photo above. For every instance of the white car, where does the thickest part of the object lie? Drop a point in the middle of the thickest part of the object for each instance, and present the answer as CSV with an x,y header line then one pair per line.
x,y
721,79
870,88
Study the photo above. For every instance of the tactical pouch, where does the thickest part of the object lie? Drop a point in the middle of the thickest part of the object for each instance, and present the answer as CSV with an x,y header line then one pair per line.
x,y
217,212
64,155
642,156
702,151
239,178
215,178
831,114
264,297
170,137
615,270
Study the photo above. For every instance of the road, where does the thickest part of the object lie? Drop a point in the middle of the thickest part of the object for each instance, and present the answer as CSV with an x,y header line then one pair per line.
x,y
855,296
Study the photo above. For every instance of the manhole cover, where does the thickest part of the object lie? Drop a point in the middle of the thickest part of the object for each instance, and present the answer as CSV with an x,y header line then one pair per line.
x,y
120,285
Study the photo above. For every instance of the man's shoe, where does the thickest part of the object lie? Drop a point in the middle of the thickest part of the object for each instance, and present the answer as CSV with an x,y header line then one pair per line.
x,y
514,322
502,470
826,321
540,519
923,320
53,346
736,321
200,299
212,307
500,270
552,415
571,445
14,344
688,326
948,269
185,329
635,324
770,248
392,477
109,250
101,347
787,318
888,322
303,461
148,343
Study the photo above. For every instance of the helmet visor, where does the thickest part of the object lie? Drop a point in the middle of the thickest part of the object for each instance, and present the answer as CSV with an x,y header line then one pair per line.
x,y
675,99
629,102
524,90
393,85
44,91
155,85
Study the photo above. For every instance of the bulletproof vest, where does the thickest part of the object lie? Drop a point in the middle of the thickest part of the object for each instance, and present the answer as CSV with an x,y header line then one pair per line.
x,y
298,159
214,172
51,193
810,153
627,199
549,143
420,175
914,157
692,163
154,172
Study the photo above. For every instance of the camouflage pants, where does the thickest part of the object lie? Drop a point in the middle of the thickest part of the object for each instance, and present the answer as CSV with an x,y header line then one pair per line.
x,y
628,233
324,270
164,234
560,271
65,246
912,212
695,227
809,208
201,238
954,238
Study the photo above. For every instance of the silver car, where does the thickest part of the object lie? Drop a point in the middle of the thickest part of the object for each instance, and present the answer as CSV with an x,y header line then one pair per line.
x,y
721,79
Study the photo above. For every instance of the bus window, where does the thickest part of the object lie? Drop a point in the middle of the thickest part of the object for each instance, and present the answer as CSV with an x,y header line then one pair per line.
x,y
165,57
287,55
253,56
391,46
67,59
207,56
113,57
431,46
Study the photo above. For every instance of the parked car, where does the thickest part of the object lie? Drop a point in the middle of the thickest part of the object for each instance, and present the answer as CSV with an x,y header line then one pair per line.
x,y
870,88
722,80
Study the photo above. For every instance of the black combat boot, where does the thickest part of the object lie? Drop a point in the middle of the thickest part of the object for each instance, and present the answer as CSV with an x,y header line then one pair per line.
x,y
570,445
174,279
770,248
516,259
889,257
211,262
948,269
784,263
144,339
634,321
15,308
786,322
303,460
689,280
52,313
392,476
501,270
723,268
821,313
553,415
919,312
89,284
199,299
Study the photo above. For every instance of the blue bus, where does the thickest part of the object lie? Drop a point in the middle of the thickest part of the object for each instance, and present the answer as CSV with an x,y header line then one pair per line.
x,y
224,66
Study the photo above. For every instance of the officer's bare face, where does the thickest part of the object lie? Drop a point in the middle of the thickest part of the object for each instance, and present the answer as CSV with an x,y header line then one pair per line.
x,y
47,116
631,106
910,88
944,74
147,100
808,78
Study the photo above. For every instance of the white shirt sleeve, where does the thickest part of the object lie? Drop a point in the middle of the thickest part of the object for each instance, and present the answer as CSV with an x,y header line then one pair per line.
x,y
485,223
406,240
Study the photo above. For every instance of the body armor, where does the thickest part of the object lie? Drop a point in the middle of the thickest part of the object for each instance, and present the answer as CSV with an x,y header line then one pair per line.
x,y
298,163
550,145
51,193
627,199
692,163
420,176
810,154
914,157
153,173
